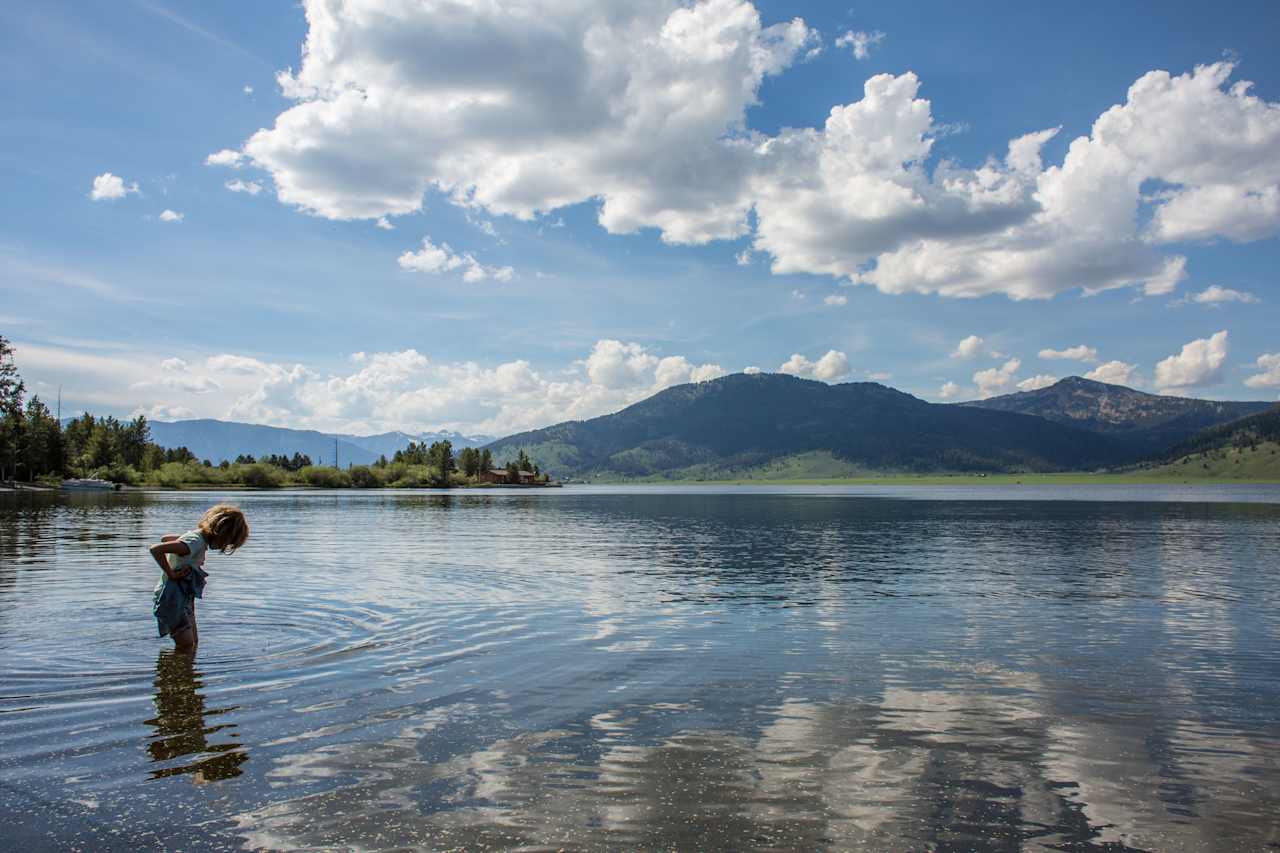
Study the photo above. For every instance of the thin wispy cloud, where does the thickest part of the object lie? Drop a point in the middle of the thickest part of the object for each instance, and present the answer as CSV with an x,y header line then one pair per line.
x,y
168,14
860,43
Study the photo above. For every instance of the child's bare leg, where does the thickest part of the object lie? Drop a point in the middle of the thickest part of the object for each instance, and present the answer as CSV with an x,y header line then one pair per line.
x,y
186,638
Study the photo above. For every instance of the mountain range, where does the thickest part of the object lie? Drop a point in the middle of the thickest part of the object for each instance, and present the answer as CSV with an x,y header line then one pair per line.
x,y
1145,421
218,440
759,425
774,425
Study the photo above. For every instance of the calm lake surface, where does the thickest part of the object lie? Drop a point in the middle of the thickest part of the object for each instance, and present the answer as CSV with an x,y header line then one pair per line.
x,y
993,668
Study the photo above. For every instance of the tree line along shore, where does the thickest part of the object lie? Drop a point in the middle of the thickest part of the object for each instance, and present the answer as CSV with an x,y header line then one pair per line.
x,y
35,448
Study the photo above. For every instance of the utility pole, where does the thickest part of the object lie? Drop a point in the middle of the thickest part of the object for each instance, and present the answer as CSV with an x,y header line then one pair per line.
x,y
335,454
59,407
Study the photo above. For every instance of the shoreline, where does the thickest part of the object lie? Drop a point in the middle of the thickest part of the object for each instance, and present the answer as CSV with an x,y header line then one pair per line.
x,y
931,480
1062,479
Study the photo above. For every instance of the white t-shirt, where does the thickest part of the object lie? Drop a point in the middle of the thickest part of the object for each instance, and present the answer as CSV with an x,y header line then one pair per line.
x,y
193,560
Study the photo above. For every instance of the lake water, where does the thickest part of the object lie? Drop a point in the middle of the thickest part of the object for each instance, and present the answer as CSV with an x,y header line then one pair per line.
x,y
1020,668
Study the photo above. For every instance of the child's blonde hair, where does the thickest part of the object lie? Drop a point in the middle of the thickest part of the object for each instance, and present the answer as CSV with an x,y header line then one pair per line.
x,y
224,527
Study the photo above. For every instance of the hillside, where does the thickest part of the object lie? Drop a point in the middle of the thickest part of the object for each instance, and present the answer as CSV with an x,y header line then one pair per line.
x,y
742,422
1250,462
217,440
1249,432
1149,422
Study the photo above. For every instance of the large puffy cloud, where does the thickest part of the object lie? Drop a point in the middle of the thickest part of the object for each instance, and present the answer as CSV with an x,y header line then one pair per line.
x,y
614,364
830,367
859,202
855,199
1199,363
1202,213
522,108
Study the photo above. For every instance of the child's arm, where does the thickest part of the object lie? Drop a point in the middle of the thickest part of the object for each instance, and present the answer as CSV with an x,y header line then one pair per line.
x,y
168,537
169,546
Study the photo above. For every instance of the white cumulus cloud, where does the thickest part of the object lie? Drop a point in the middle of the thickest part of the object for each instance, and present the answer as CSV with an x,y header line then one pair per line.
x,y
949,390
1215,295
1034,383
996,380
1114,373
1268,365
970,347
830,367
406,390
440,259
171,216
676,370
641,105
1199,363
109,187
644,105
1080,352
238,186
225,157
860,201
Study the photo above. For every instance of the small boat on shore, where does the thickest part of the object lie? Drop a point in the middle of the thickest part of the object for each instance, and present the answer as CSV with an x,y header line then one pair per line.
x,y
89,485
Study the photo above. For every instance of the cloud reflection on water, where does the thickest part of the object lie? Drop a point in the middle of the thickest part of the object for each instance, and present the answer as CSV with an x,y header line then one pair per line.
x,y
985,763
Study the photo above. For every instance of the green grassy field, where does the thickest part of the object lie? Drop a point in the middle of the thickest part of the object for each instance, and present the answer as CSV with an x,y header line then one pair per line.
x,y
1260,464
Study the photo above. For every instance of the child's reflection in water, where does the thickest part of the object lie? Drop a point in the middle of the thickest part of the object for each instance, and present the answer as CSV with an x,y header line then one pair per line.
x,y
180,727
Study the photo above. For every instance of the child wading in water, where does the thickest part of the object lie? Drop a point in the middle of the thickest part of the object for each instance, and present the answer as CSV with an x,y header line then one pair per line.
x,y
181,558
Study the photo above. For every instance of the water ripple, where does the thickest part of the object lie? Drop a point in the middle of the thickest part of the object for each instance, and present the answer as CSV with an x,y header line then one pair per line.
x,y
651,670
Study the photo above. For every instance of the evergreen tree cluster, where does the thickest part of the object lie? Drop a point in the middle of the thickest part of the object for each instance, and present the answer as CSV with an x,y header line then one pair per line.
x,y
33,445
473,461
438,457
293,463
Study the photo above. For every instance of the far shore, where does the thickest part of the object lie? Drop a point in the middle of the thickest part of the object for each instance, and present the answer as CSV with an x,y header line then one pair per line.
x,y
966,480
1055,479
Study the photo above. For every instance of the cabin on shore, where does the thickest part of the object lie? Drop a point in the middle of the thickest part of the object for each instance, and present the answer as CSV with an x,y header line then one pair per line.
x,y
500,476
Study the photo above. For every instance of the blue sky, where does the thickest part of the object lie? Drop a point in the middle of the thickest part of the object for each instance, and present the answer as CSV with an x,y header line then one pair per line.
x,y
588,179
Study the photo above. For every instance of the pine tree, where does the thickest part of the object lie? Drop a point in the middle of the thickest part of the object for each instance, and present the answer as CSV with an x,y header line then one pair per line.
x,y
42,448
12,418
